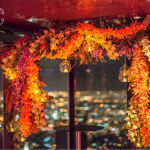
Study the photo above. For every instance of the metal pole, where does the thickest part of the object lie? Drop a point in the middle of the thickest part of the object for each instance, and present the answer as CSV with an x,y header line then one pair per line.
x,y
72,135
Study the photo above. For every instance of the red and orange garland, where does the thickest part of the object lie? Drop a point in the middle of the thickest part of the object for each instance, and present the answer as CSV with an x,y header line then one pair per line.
x,y
87,44
138,119
33,97
117,33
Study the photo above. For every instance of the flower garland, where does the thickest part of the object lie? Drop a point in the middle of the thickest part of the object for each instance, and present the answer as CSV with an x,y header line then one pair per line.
x,y
146,47
99,54
87,44
25,115
117,33
138,114
127,51
61,46
19,81
33,97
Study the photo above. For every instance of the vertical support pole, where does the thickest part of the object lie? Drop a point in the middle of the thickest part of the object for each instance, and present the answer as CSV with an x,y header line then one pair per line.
x,y
7,137
72,135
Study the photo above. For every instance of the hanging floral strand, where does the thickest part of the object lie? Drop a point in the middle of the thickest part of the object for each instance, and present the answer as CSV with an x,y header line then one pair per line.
x,y
19,81
138,114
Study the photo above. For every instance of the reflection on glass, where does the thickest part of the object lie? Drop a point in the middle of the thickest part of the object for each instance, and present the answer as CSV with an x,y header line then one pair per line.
x,y
101,100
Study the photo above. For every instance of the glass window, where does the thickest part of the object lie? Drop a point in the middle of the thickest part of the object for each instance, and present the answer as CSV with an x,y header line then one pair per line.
x,y
101,103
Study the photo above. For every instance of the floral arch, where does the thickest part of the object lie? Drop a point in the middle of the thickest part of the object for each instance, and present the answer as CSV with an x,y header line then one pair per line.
x,y
86,43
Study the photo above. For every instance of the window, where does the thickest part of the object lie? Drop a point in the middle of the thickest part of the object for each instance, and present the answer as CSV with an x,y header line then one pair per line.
x,y
101,101
100,105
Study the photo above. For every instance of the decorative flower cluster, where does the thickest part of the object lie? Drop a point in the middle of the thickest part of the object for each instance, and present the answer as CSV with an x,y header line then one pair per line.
x,y
146,47
18,83
138,114
127,51
87,44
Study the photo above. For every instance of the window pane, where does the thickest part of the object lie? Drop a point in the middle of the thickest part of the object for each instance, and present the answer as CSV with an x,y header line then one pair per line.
x,y
101,101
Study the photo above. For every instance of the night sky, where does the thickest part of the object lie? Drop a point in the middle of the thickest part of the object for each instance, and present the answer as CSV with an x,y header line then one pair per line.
x,y
103,76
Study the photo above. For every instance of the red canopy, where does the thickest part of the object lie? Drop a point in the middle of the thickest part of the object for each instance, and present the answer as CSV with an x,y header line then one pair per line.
x,y
16,11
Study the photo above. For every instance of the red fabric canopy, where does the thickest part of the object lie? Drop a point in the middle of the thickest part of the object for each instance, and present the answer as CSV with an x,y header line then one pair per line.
x,y
16,11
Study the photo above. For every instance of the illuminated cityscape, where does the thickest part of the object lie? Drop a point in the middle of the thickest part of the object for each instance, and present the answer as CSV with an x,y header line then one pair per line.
x,y
106,109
